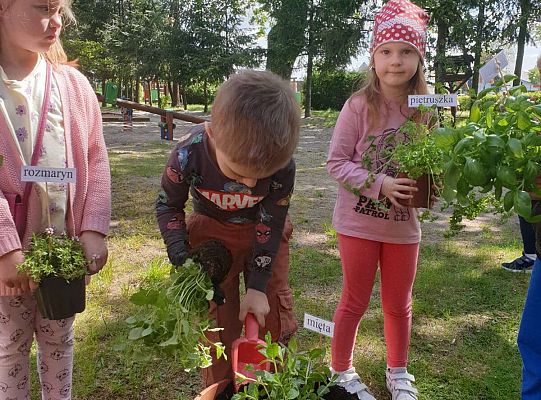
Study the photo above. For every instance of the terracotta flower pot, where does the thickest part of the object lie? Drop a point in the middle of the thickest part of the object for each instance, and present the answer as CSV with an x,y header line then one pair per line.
x,y
60,299
423,197
217,391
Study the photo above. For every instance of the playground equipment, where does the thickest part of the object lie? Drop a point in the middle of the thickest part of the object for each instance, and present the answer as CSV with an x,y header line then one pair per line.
x,y
167,116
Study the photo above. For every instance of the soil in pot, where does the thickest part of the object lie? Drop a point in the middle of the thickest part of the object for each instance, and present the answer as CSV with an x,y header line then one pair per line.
x,y
60,299
423,197
336,393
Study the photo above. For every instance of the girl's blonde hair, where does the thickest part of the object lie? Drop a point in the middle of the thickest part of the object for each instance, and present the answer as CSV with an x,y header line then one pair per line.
x,y
372,93
56,54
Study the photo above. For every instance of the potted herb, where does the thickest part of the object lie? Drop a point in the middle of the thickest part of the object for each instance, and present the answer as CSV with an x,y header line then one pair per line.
x,y
496,155
413,153
174,314
294,374
59,266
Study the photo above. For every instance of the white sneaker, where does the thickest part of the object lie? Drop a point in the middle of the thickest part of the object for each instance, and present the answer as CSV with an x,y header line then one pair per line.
x,y
351,382
399,384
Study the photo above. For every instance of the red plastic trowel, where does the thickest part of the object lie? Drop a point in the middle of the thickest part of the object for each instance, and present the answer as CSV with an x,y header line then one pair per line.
x,y
245,351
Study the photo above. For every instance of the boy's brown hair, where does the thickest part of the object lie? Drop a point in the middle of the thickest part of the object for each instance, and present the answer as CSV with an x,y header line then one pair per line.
x,y
256,120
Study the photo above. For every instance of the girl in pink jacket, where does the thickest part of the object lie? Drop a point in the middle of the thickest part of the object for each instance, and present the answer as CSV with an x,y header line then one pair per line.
x,y
368,235
42,99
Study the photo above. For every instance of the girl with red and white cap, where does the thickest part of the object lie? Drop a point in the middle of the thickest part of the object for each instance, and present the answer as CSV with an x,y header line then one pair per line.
x,y
369,236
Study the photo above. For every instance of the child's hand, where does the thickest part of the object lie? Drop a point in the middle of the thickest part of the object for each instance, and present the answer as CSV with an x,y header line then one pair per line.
x,y
398,188
254,302
9,274
95,250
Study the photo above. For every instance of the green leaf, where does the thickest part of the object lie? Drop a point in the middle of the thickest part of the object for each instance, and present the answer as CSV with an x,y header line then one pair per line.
x,y
474,172
445,137
172,341
515,146
147,331
475,113
293,393
524,121
272,350
463,145
495,141
531,170
507,176
508,200
144,297
522,203
135,333
490,117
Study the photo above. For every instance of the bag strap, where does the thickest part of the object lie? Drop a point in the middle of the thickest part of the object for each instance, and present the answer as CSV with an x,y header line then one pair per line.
x,y
41,129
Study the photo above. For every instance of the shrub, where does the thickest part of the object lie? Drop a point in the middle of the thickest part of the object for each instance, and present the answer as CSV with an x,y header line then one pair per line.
x,y
330,90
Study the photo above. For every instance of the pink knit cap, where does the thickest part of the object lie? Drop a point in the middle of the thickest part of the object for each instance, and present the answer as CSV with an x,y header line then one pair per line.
x,y
400,21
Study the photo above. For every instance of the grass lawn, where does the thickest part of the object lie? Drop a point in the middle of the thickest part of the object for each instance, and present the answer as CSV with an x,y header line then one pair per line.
x,y
466,308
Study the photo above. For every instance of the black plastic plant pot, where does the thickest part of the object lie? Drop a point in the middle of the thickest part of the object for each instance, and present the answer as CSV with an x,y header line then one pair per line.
x,y
60,299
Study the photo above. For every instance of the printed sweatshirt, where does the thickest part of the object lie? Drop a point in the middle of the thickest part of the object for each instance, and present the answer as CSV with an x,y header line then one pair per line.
x,y
351,144
192,170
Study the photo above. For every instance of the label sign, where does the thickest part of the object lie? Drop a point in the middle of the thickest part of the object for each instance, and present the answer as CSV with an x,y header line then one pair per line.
x,y
440,100
318,325
493,67
44,174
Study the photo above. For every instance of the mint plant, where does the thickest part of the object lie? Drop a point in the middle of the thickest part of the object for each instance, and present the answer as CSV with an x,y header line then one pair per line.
x,y
301,375
173,316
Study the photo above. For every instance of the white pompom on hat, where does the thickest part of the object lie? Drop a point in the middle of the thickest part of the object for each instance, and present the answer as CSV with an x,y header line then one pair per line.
x,y
401,21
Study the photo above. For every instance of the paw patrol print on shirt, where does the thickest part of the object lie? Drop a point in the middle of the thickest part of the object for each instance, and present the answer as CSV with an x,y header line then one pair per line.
x,y
4,387
367,206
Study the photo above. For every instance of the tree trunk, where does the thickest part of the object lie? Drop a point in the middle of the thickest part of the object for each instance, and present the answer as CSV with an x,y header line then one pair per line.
x,y
206,94
149,83
521,42
309,66
174,95
286,39
478,46
137,88
441,45
103,103
160,105
184,98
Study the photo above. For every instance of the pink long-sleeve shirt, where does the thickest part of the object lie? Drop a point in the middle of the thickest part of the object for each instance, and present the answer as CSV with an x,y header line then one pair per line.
x,y
356,215
90,197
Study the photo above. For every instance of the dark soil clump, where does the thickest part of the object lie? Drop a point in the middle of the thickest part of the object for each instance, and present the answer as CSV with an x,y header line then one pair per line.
x,y
214,258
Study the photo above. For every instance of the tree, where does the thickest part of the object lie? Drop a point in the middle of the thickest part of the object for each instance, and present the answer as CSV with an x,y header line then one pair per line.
x,y
533,75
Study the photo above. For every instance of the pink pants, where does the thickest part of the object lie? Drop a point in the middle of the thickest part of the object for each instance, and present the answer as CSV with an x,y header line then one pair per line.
x,y
398,264
19,322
